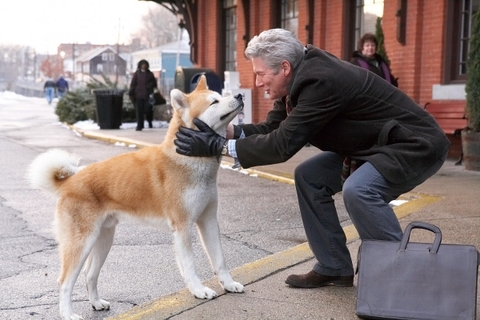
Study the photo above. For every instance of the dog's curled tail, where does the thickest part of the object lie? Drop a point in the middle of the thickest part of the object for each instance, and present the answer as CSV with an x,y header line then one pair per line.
x,y
50,169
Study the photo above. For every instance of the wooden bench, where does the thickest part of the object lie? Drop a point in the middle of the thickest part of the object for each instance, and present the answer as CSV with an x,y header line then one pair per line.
x,y
449,115
452,119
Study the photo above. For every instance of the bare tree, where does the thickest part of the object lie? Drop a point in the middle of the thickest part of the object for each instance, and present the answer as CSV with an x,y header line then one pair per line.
x,y
159,27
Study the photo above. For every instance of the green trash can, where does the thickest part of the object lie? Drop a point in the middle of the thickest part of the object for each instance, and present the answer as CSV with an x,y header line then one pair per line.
x,y
109,107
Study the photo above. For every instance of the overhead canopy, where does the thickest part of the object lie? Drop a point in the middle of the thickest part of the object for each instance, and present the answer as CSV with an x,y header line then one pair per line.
x,y
185,10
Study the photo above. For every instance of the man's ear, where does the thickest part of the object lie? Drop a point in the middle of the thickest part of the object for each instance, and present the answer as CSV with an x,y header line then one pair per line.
x,y
286,68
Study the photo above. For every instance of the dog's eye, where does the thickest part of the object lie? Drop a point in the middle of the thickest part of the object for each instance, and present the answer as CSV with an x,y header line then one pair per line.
x,y
214,101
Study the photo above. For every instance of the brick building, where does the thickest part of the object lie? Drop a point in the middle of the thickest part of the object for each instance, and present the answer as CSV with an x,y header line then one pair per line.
x,y
426,40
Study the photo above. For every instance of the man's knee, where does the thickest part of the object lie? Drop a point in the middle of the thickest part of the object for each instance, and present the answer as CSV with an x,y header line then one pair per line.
x,y
350,192
299,172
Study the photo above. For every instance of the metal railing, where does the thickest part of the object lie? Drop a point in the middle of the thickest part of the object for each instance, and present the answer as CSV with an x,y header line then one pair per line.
x,y
28,88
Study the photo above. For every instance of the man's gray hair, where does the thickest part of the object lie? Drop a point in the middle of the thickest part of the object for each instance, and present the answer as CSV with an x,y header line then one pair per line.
x,y
274,46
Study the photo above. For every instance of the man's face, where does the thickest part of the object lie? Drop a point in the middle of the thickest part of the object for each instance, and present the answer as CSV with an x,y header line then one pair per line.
x,y
143,67
275,85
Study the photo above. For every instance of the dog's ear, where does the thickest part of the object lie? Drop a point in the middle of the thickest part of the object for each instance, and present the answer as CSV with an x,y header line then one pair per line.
x,y
202,83
178,99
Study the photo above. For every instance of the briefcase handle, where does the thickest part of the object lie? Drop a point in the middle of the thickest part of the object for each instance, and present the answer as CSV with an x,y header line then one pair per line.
x,y
425,226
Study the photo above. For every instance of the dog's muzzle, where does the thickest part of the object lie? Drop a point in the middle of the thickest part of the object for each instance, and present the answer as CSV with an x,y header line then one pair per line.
x,y
237,102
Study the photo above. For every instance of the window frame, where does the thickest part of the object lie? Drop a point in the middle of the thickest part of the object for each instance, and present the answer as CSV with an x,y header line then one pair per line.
x,y
230,10
454,35
349,27
284,15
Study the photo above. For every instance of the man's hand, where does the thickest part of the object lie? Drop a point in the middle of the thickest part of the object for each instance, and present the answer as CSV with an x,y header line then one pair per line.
x,y
203,143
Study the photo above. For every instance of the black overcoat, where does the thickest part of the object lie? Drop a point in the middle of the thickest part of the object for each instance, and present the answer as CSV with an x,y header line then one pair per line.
x,y
343,108
142,89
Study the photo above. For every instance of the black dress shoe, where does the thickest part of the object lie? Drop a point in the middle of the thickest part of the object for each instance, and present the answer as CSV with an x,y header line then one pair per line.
x,y
316,280
138,129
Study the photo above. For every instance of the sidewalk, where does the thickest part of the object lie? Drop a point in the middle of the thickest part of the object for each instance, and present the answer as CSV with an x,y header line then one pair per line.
x,y
449,200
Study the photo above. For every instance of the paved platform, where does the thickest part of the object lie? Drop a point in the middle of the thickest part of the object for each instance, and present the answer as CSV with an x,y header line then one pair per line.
x,y
449,200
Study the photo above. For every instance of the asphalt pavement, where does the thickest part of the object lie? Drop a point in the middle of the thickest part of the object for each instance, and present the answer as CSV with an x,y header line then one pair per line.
x,y
450,200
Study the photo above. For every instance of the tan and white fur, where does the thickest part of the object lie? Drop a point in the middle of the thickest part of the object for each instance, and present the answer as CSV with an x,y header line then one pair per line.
x,y
154,184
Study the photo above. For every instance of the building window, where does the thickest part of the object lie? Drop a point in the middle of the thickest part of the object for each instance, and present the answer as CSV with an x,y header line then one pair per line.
x,y
289,16
230,11
366,14
458,26
111,56
105,56
99,68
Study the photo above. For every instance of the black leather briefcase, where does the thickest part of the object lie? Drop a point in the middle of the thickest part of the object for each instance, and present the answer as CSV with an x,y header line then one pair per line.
x,y
411,280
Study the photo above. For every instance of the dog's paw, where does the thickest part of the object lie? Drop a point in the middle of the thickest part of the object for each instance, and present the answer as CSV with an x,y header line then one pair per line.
x,y
233,287
101,305
204,293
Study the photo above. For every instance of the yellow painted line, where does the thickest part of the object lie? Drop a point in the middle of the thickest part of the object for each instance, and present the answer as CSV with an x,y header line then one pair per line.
x,y
416,201
178,302
113,139
262,174
109,138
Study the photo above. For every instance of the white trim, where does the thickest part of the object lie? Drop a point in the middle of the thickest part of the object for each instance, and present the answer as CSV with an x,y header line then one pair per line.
x,y
448,92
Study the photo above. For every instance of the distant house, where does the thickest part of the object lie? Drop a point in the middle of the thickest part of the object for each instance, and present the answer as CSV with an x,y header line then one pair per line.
x,y
163,61
98,61
70,52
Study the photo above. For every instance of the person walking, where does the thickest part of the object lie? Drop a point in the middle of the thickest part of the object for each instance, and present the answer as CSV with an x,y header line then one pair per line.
x,y
367,57
62,87
142,85
376,143
49,89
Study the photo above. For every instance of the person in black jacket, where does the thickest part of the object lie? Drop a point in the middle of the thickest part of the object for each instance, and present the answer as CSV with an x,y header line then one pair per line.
x,y
367,57
49,89
376,143
142,85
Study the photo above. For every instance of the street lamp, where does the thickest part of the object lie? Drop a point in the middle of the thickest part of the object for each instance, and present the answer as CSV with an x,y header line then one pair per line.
x,y
181,25
33,56
62,55
73,65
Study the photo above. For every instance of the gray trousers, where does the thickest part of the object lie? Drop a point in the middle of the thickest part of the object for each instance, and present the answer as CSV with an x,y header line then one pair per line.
x,y
366,194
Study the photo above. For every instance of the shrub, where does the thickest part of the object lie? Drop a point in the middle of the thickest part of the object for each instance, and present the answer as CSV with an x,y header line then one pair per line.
x,y
472,87
380,39
76,106
80,105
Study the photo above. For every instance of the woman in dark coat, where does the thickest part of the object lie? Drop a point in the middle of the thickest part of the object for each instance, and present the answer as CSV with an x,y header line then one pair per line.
x,y
353,117
142,85
367,57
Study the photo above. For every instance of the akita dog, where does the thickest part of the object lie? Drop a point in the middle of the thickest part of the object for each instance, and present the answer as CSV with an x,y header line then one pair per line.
x,y
164,187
